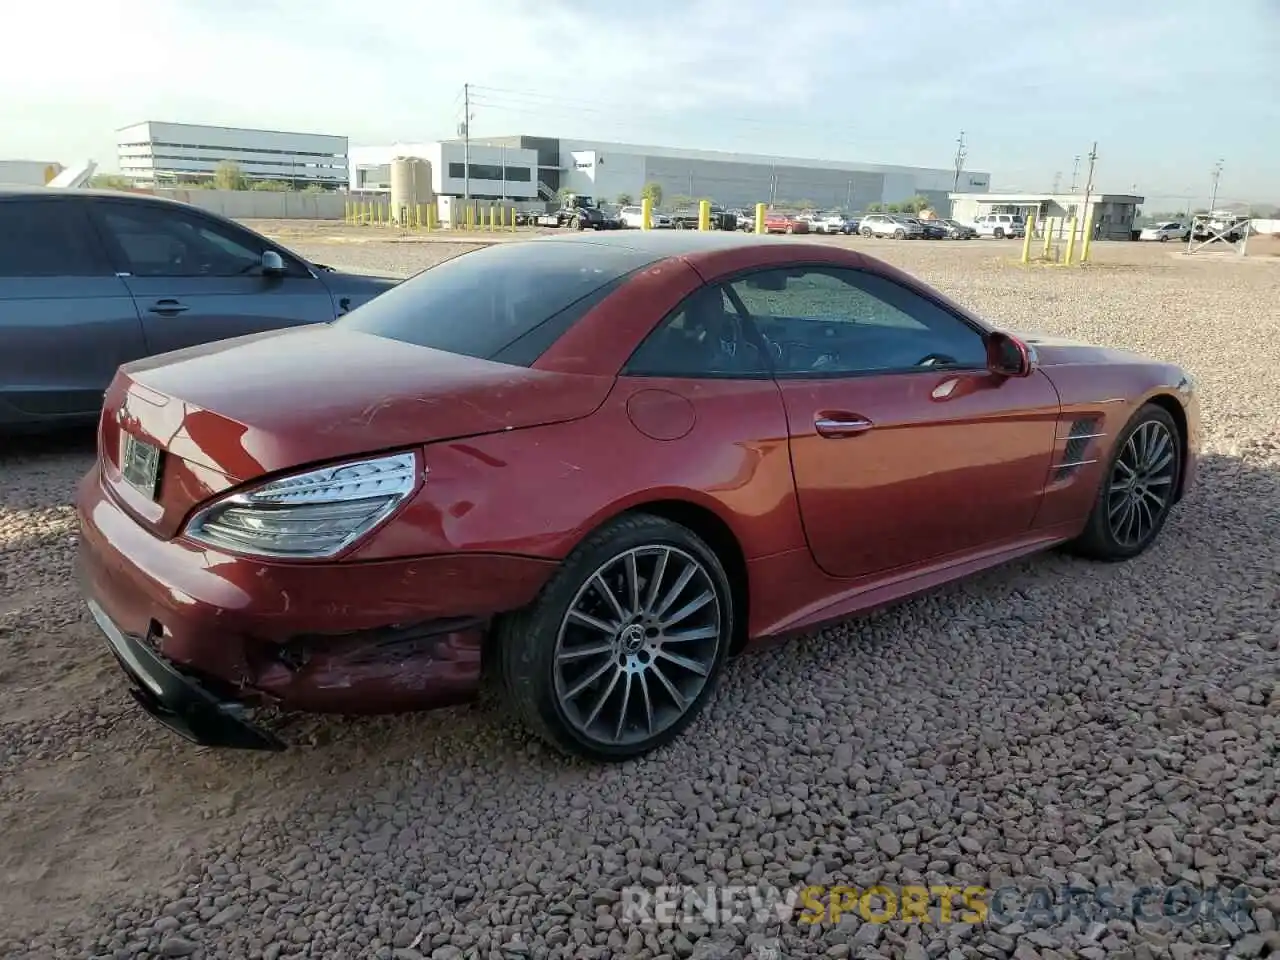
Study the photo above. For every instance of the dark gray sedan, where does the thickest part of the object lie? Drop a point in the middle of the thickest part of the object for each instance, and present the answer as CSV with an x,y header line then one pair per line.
x,y
90,280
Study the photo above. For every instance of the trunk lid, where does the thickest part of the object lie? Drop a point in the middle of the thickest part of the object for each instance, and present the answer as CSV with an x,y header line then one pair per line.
x,y
233,411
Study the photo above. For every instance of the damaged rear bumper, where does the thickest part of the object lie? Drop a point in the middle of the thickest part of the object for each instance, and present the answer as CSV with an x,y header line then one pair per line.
x,y
177,701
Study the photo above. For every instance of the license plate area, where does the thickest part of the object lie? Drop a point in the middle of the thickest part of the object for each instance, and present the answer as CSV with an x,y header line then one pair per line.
x,y
140,465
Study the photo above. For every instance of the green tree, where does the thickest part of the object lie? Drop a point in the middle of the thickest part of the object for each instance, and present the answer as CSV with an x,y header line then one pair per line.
x,y
680,201
876,207
914,204
624,199
894,208
652,191
270,186
805,204
227,175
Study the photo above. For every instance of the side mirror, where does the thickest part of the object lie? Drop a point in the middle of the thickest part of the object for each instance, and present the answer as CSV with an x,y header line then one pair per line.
x,y
272,263
1007,356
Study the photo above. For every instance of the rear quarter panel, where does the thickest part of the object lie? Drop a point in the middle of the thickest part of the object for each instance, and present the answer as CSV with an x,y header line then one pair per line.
x,y
539,491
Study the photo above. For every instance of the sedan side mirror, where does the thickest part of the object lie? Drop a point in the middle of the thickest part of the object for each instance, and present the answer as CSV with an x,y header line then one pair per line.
x,y
1007,356
272,263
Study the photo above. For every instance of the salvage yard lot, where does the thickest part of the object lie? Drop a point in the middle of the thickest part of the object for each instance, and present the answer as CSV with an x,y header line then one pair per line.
x,y
1035,723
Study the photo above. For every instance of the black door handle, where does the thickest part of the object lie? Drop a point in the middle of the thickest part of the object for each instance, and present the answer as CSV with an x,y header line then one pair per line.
x,y
168,308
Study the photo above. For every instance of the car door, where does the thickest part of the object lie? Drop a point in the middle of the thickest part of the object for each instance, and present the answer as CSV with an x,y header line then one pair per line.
x,y
905,448
197,278
66,320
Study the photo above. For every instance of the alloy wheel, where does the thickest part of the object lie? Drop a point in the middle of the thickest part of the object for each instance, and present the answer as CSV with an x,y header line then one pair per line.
x,y
1140,488
638,644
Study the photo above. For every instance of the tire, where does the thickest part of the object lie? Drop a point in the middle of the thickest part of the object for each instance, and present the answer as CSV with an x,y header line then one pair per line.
x,y
998,233
539,685
899,234
1110,534
866,232
1164,238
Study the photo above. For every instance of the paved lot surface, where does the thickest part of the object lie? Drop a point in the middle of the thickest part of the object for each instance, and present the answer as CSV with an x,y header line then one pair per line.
x,y
1052,722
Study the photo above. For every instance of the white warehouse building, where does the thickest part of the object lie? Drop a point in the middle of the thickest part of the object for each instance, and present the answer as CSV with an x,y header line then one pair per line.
x,y
156,153
497,172
528,168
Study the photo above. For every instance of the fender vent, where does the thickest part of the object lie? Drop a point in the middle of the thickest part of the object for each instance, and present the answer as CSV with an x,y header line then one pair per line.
x,y
1081,447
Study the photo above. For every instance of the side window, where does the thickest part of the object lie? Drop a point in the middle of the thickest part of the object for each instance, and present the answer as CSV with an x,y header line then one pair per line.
x,y
824,321
703,337
48,238
158,242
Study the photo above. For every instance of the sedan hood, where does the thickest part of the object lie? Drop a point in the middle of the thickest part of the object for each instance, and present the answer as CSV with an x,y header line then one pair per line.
x,y
282,399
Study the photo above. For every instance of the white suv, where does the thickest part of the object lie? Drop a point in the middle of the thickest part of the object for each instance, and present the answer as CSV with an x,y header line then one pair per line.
x,y
889,225
1000,225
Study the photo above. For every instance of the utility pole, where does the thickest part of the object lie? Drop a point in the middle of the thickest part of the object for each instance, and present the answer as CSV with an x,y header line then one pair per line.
x,y
961,153
1088,187
1213,197
1075,173
466,142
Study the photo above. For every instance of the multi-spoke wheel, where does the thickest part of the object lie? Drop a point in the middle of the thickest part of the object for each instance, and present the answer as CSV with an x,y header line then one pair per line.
x,y
1138,489
623,646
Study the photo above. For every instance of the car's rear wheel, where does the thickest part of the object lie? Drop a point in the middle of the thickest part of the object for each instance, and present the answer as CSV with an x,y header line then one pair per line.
x,y
899,234
998,233
866,232
1137,489
623,646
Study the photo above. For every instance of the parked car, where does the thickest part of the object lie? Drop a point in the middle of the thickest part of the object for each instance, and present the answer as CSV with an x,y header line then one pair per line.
x,y
784,223
632,217
1000,225
593,469
955,230
1173,230
93,279
890,225
929,229
829,223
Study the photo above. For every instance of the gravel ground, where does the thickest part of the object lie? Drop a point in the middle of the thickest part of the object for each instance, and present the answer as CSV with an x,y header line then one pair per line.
x,y
1052,721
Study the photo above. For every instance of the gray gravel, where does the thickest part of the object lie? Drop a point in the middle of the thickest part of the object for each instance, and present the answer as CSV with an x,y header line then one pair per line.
x,y
1051,722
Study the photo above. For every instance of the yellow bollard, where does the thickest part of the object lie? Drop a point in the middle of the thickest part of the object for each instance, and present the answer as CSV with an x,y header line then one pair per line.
x,y
759,218
366,213
431,217
346,211
1050,225
471,217
1071,241
704,214
1026,240
492,214
1087,240
646,213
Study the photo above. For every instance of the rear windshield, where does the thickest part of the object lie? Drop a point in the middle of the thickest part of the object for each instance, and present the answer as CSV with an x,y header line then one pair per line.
x,y
482,302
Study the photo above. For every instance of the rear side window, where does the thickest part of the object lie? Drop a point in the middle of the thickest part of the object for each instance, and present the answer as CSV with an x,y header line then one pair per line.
x,y
48,238
480,303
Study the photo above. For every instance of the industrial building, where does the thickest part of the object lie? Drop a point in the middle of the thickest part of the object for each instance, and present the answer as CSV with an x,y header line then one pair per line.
x,y
28,173
607,171
1112,214
497,172
169,154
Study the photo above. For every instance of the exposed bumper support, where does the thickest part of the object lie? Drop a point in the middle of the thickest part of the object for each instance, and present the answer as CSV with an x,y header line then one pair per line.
x,y
177,701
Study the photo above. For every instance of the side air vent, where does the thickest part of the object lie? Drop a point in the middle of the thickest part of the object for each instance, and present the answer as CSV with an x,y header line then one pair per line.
x,y
1081,446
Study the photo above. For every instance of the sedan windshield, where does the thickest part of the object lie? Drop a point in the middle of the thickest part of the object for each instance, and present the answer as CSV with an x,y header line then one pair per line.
x,y
482,304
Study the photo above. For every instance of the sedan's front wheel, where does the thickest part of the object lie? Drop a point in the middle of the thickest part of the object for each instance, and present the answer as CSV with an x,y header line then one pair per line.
x,y
623,646
1138,488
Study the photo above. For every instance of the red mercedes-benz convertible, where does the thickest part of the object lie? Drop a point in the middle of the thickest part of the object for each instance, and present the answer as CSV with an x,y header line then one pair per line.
x,y
592,467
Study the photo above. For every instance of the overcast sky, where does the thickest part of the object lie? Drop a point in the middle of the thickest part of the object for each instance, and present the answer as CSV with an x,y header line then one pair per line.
x,y
1166,87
